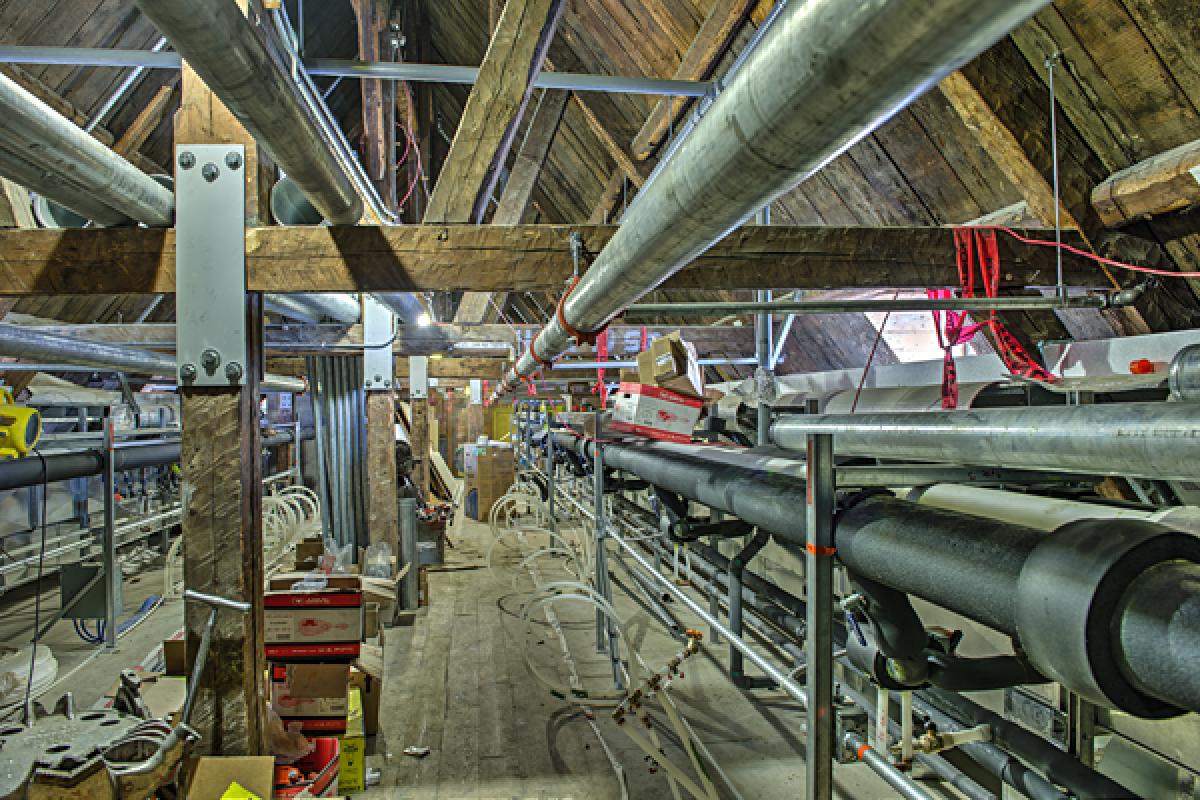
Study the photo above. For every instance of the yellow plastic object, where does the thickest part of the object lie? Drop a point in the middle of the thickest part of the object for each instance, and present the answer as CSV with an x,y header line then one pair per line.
x,y
20,427
237,792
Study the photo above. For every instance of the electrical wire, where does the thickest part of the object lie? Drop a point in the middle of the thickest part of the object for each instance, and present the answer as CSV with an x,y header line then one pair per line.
x,y
871,356
1166,273
37,602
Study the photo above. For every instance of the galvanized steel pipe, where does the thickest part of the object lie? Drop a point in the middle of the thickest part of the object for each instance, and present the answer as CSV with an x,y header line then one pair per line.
x,y
226,51
46,152
828,74
1146,440
26,342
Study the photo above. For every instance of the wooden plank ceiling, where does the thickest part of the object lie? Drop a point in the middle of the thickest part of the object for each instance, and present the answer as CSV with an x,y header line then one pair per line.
x,y
1129,89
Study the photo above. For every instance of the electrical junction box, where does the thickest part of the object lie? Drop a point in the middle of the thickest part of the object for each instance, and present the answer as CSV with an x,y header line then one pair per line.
x,y
74,579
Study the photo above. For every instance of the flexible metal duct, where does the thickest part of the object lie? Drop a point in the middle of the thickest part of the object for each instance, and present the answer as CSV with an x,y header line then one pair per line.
x,y
25,342
1146,440
44,151
828,74
226,51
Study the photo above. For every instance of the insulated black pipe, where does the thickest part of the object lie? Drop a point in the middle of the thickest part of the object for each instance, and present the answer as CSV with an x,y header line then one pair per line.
x,y
28,471
964,563
737,671
1060,595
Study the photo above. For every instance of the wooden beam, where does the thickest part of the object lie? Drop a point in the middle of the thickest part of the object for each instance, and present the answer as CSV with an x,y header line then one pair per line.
x,y
518,190
608,199
493,111
145,122
383,522
698,63
1167,182
222,476
501,258
1005,149
378,98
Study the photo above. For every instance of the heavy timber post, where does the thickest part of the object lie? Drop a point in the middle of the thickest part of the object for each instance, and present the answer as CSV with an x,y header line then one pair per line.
x,y
379,370
222,486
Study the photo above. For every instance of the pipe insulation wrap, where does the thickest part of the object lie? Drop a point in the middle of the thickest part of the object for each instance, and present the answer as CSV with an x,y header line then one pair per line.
x,y
826,75
52,156
27,342
1160,441
226,51
1063,595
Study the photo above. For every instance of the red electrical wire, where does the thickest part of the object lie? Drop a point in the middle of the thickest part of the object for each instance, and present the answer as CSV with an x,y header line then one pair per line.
x,y
1166,273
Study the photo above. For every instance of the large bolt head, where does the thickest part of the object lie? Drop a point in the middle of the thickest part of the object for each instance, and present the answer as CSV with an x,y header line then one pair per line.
x,y
187,372
187,159
233,160
233,371
210,359
210,172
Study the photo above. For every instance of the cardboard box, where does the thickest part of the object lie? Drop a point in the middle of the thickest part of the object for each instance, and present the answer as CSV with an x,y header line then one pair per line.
x,y
175,655
313,695
672,364
308,551
323,763
323,625
370,689
629,375
655,412
212,776
352,771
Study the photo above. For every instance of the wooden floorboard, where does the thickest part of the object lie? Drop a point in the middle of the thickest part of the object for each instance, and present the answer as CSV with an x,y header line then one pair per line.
x,y
457,682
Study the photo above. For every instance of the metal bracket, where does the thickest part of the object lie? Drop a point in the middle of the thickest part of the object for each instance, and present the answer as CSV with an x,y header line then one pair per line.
x,y
379,325
210,264
418,377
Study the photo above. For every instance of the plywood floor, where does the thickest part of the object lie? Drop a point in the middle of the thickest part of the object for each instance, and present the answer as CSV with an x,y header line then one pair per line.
x,y
457,682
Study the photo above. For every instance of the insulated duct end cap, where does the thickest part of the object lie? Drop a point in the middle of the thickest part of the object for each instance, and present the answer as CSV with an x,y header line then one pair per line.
x,y
1070,596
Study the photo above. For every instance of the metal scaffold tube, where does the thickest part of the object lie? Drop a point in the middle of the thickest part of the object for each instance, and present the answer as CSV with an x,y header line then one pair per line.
x,y
827,74
25,342
46,152
227,52
1145,440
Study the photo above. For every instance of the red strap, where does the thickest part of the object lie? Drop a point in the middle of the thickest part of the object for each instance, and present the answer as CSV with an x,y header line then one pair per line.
x,y
581,337
601,388
969,244
645,337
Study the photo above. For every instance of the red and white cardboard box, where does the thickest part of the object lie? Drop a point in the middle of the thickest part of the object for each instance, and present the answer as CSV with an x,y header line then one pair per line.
x,y
313,625
320,715
655,412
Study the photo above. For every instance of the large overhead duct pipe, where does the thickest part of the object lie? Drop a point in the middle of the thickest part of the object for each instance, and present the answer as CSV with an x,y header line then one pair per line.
x,y
226,51
25,342
1059,594
47,153
826,75
1145,440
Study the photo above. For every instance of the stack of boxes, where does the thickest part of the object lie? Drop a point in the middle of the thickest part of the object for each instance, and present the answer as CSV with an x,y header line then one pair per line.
x,y
665,398
311,637
490,473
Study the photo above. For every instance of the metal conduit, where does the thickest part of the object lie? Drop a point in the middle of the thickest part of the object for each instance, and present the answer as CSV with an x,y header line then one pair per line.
x,y
226,51
1146,440
46,152
827,74
25,342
